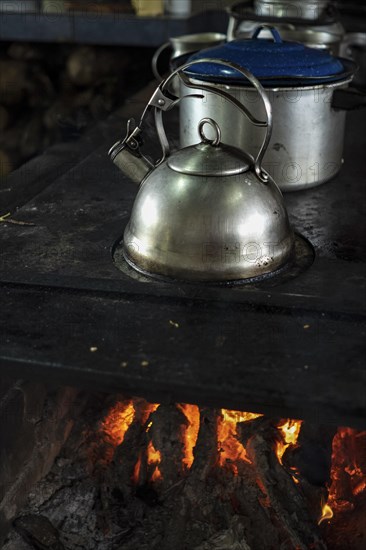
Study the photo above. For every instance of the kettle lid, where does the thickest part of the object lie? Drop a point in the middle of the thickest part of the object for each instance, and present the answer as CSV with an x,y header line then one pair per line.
x,y
210,157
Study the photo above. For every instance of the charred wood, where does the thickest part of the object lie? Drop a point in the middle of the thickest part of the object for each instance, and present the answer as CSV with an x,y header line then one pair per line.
x,y
288,507
166,435
39,532
206,453
312,456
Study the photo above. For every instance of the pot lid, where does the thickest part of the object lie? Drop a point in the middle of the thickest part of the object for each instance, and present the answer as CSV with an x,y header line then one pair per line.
x,y
209,157
274,61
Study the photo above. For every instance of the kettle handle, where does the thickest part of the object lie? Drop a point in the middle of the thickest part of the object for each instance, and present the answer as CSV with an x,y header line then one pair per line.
x,y
252,79
161,102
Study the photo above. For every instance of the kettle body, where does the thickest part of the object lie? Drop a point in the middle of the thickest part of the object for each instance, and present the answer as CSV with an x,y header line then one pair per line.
x,y
207,212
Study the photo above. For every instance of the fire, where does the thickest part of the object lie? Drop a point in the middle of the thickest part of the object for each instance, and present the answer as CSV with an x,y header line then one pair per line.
x,y
136,471
327,513
348,471
295,473
118,421
149,408
154,458
190,434
290,431
230,448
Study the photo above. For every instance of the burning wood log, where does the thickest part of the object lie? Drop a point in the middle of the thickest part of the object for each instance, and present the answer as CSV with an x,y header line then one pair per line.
x,y
128,456
312,457
205,452
226,483
166,445
288,507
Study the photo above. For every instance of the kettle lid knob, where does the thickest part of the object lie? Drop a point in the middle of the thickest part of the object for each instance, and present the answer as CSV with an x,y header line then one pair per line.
x,y
204,139
210,157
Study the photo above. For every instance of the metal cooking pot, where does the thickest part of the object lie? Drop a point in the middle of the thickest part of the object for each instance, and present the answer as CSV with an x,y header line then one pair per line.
x,y
207,212
186,43
307,89
312,23
354,47
309,10
315,23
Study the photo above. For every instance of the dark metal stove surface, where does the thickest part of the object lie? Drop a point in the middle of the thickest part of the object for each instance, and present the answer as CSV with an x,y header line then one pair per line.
x,y
69,316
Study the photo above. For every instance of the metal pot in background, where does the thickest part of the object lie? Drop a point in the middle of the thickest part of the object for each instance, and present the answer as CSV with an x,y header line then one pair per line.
x,y
315,23
354,47
296,9
308,106
187,43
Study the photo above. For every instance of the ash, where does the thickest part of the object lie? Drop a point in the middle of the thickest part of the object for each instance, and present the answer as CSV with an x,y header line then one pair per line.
x,y
70,500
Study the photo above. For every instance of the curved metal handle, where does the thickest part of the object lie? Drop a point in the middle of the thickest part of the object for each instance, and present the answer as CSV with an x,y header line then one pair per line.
x,y
352,39
275,34
257,85
161,102
155,59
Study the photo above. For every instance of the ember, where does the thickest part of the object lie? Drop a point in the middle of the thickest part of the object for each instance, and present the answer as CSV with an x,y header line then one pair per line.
x,y
154,458
290,432
230,448
118,421
348,473
190,434
180,476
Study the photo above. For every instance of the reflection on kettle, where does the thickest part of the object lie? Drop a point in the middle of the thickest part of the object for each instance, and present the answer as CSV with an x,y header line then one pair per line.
x,y
207,212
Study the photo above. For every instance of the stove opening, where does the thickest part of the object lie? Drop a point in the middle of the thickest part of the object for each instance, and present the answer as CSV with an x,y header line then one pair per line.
x,y
133,474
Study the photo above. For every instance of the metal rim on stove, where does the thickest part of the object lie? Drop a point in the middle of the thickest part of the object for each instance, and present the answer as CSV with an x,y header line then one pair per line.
x,y
301,260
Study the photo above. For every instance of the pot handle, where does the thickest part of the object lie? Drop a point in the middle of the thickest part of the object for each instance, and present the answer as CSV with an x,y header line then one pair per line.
x,y
261,173
352,39
155,59
348,99
274,32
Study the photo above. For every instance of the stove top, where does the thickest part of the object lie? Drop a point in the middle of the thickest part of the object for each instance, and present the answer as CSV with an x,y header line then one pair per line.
x,y
69,315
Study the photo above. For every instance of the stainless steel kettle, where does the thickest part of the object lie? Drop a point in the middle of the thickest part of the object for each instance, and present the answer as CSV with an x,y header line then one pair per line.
x,y
207,212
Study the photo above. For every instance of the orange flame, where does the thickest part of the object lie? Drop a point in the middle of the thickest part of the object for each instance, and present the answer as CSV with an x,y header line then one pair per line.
x,y
154,458
136,471
231,450
118,421
348,477
148,409
290,431
295,474
190,434
327,513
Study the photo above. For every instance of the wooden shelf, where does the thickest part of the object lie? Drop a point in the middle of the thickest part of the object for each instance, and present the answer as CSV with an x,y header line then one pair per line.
x,y
106,29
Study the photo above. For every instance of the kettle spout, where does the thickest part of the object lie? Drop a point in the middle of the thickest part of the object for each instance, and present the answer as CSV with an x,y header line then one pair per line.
x,y
127,156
